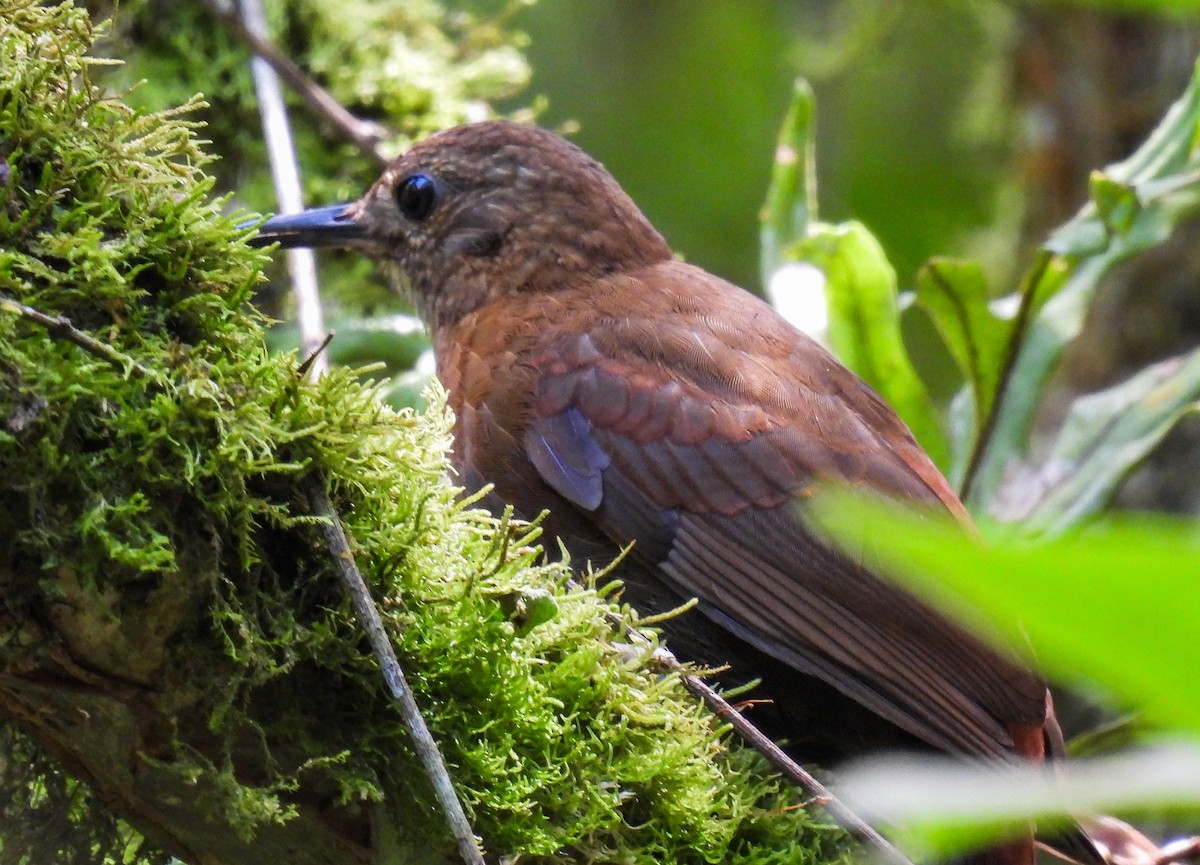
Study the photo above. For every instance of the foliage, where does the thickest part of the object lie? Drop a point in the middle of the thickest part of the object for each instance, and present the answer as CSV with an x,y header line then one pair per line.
x,y
1105,603
172,627
1109,606
418,65
1135,205
1006,349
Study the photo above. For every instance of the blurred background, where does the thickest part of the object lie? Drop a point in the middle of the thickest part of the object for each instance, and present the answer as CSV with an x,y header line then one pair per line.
x,y
944,126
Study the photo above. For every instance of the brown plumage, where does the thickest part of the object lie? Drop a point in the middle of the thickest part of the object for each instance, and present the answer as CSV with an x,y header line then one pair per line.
x,y
642,399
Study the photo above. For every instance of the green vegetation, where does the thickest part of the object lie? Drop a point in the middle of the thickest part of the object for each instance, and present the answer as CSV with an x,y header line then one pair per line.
x,y
1106,602
1005,360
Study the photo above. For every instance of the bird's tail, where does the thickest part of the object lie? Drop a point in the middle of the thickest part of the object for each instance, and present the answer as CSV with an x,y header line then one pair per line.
x,y
1039,744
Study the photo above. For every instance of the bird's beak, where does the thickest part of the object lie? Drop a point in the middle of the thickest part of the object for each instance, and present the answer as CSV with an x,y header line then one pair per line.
x,y
321,226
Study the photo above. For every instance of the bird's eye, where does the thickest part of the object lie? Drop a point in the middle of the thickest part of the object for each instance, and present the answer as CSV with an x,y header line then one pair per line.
x,y
416,196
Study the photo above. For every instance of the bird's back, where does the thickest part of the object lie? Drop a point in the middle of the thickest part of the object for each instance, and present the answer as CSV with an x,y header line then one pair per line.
x,y
695,422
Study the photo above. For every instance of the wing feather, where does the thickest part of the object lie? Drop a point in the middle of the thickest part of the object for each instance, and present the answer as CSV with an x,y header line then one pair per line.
x,y
703,450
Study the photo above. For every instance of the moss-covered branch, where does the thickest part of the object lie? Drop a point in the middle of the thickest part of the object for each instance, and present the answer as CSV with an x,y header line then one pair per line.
x,y
172,633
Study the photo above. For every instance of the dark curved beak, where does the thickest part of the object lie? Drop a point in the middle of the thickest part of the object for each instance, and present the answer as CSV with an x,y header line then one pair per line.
x,y
321,226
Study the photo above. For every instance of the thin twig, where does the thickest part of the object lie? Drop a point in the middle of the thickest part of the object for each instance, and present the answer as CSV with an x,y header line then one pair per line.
x,y
305,365
369,618
755,738
363,134
302,263
60,326
782,763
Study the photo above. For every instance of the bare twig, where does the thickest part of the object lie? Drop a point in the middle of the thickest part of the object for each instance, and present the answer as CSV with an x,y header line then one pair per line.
x,y
785,765
60,326
302,263
755,738
363,134
305,365
381,644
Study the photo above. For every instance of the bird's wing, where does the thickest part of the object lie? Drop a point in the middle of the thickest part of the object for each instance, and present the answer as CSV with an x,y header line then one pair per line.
x,y
699,434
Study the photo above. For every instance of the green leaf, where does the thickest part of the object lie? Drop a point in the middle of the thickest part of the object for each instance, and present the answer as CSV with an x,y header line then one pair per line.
x,y
1116,603
864,323
938,807
955,295
792,196
1137,204
1104,436
1117,203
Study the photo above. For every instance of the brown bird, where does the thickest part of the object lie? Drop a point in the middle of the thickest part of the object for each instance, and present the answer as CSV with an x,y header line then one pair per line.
x,y
641,399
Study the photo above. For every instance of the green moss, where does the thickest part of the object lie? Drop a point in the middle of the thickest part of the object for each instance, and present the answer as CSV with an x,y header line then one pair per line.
x,y
159,566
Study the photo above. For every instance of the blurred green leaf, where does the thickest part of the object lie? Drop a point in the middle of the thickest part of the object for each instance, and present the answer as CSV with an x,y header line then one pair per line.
x,y
1105,435
792,196
939,807
956,296
864,323
1116,203
1116,603
1136,205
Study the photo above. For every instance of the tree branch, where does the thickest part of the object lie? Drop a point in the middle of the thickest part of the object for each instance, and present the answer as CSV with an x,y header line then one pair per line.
x,y
60,326
363,134
381,644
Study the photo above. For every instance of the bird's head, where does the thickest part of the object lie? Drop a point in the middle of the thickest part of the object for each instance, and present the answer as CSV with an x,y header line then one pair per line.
x,y
482,210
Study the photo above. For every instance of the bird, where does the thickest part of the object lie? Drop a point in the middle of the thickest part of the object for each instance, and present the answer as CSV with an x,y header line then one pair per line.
x,y
649,406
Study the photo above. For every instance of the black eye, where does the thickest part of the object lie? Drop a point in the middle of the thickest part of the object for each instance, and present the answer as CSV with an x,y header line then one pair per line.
x,y
416,196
